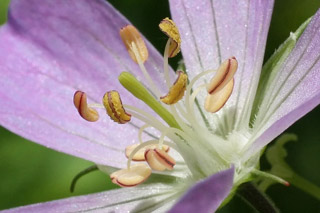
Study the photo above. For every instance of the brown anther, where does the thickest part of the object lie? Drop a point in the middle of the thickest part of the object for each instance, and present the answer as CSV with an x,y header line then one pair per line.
x,y
223,76
132,39
137,174
217,100
176,91
159,160
112,103
139,156
80,102
168,27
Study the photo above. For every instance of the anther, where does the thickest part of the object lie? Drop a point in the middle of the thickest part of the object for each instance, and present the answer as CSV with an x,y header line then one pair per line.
x,y
176,91
217,100
159,160
133,176
168,27
223,76
80,102
132,39
112,103
139,156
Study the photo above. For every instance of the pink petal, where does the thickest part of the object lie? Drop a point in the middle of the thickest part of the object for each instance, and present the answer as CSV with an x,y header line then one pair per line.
x,y
148,198
207,195
295,90
50,49
213,31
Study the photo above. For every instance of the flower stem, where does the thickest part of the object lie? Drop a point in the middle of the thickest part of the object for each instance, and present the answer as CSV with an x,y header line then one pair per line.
x,y
256,198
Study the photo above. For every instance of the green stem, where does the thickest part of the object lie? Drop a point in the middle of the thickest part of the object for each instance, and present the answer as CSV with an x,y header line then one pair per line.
x,y
80,174
305,185
256,199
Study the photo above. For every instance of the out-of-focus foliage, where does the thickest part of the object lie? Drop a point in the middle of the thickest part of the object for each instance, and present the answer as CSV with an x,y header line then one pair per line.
x,y
31,173
3,10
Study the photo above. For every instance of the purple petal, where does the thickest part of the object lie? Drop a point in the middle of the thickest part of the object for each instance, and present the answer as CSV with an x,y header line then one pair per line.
x,y
48,50
296,89
213,31
207,195
147,198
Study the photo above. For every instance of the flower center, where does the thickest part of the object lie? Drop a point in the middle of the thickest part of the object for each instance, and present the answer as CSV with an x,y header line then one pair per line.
x,y
183,131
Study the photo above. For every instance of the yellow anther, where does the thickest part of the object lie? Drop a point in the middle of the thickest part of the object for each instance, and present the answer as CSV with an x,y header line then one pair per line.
x,y
177,90
139,156
112,103
168,27
217,100
134,43
80,102
223,76
159,160
137,174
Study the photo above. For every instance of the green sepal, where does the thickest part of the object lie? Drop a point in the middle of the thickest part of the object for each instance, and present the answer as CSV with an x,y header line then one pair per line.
x,y
273,65
137,89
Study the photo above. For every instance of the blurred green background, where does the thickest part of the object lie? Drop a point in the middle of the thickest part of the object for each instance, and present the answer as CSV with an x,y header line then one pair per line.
x,y
31,173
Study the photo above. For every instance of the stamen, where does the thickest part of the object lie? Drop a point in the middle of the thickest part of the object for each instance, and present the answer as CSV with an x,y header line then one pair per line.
x,y
130,35
177,90
168,27
159,160
133,176
189,109
145,117
139,155
193,98
223,76
80,102
114,107
141,131
151,83
217,100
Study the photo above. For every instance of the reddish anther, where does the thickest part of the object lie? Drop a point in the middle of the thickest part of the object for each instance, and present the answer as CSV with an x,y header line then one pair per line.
x,y
80,102
159,160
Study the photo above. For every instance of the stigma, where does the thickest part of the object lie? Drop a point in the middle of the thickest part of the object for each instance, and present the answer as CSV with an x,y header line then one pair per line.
x,y
177,124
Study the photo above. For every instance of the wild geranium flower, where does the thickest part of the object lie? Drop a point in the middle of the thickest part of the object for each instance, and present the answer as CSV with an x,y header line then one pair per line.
x,y
196,133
